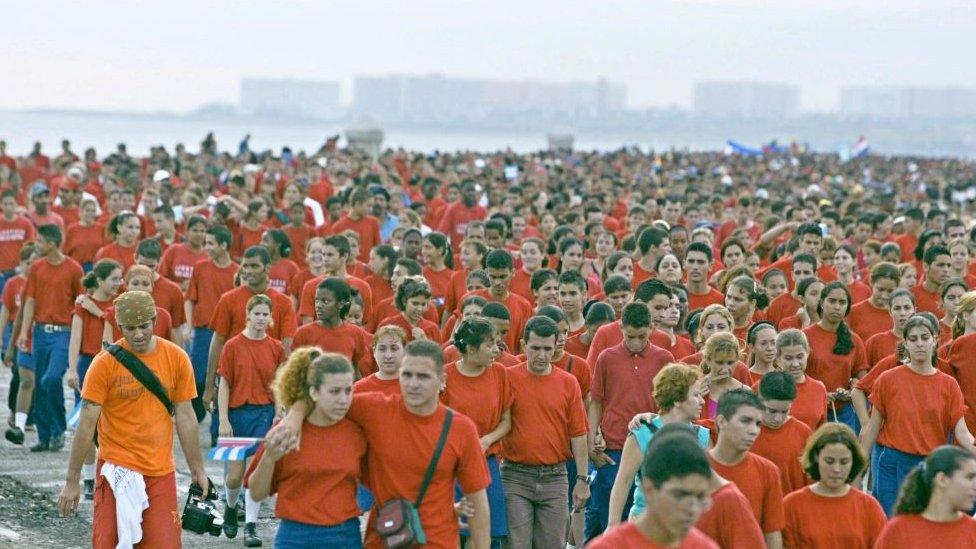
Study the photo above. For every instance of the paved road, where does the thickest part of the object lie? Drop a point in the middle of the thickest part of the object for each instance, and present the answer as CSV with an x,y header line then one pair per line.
x,y
44,472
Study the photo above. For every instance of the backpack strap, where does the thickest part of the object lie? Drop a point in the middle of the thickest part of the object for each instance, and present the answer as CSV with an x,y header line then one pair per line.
x,y
142,373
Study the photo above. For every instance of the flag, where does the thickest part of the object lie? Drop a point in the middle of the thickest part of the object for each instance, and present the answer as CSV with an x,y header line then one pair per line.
x,y
739,148
74,416
234,448
861,148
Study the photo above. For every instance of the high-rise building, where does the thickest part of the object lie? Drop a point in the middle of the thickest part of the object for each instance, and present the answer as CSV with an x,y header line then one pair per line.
x,y
289,97
717,99
908,102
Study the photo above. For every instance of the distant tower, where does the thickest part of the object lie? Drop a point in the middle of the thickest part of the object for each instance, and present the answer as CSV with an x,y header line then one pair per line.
x,y
561,141
365,136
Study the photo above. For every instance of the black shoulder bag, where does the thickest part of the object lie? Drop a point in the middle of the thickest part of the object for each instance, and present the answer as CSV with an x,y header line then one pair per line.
x,y
142,373
398,520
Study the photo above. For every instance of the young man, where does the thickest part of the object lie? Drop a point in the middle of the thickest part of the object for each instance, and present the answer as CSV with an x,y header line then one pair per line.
x,y
937,268
572,294
15,229
335,255
366,226
803,266
544,285
163,221
809,238
41,214
52,286
653,294
676,482
210,279
623,383
135,432
619,293
871,316
402,432
230,316
500,267
652,243
548,428
738,420
698,264
454,222
21,390
782,436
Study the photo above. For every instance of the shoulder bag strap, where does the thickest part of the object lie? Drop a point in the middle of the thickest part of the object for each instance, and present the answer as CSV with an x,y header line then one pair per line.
x,y
142,373
429,475
569,367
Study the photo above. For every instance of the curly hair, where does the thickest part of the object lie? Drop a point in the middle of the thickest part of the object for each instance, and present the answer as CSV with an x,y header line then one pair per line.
x,y
719,343
289,382
672,383
412,286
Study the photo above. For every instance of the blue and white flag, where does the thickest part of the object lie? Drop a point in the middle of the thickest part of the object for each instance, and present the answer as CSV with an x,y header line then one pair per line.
x,y
861,148
74,416
234,448
738,148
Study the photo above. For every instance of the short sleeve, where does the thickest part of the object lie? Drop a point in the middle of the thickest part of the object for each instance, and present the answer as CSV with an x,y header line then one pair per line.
x,y
225,365
956,404
577,412
220,323
96,387
471,469
860,363
597,386
878,394
185,386
191,288
287,319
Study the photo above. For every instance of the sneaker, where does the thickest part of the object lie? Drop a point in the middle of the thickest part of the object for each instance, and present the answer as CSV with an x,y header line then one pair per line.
x,y
56,443
40,447
251,538
230,521
15,435
89,489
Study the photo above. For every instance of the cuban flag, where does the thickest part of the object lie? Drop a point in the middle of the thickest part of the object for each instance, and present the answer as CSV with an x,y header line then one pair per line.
x,y
234,448
861,148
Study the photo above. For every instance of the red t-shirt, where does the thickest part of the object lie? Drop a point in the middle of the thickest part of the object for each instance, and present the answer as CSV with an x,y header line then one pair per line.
x,y
13,234
960,359
82,243
641,274
207,283
387,308
455,221
627,535
880,346
835,371
13,298
54,289
810,406
244,238
700,301
368,229
400,446
281,273
547,412
230,315
178,262
373,384
440,285
926,301
575,346
783,307
758,480
623,381
169,296
306,301
299,237
483,398
346,339
907,531
729,520
579,368
859,291
91,327
125,256
854,520
867,320
919,411
521,285
316,484
519,312
783,447
248,366
430,329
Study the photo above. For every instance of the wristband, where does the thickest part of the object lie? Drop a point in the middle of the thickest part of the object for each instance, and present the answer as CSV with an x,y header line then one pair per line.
x,y
585,479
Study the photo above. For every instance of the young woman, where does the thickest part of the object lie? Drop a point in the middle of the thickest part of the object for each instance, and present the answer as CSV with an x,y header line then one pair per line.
x,y
959,256
356,309
531,259
331,331
479,389
720,355
901,306
668,269
774,284
742,298
316,483
438,268
247,366
250,231
283,270
411,243
900,397
472,255
83,239
619,263
571,259
830,512
761,344
677,390
140,277
470,307
965,320
606,244
388,344
837,355
950,292
123,230
792,353
382,260
412,300
845,264
808,294
909,276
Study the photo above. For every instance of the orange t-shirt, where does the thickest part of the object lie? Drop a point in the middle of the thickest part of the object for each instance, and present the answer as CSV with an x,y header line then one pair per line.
x,y
230,316
880,346
917,531
316,484
919,411
960,359
92,327
758,480
729,521
373,384
577,366
483,398
782,308
207,284
867,320
783,447
547,411
169,296
126,256
134,429
400,446
346,339
834,371
54,289
248,367
852,521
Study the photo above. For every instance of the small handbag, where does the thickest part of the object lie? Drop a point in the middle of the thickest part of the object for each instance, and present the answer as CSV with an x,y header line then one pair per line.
x,y
398,520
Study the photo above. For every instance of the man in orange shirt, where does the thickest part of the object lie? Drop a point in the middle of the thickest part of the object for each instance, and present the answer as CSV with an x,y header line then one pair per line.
x,y
135,430
548,427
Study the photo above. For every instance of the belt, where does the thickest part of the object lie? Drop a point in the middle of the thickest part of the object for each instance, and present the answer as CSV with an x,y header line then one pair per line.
x,y
558,468
53,328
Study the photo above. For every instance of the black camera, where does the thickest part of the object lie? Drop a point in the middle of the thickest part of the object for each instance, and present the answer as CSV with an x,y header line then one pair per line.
x,y
200,514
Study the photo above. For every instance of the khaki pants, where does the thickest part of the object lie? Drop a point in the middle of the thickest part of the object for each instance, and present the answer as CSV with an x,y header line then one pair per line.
x,y
537,508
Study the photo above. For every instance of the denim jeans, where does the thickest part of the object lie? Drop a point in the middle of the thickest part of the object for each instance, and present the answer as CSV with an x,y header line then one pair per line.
x,y
536,499
50,363
889,467
297,535
496,501
598,507
845,415
84,362
199,353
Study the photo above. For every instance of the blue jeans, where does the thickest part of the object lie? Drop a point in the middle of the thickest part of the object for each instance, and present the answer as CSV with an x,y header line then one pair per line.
x,y
496,501
50,363
297,535
845,415
84,361
889,467
199,352
597,510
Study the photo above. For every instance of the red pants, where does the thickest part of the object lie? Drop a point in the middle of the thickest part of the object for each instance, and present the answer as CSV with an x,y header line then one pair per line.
x,y
161,526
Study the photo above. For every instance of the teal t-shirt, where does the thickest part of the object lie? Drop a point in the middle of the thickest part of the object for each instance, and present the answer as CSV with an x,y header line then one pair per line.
x,y
643,435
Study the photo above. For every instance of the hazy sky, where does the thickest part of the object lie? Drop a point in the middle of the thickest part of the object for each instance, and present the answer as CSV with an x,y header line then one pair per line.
x,y
179,54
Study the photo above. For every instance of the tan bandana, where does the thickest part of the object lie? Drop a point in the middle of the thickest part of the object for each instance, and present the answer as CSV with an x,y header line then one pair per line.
x,y
134,308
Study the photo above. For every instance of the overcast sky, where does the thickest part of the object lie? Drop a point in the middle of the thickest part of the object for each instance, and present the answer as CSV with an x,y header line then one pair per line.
x,y
179,54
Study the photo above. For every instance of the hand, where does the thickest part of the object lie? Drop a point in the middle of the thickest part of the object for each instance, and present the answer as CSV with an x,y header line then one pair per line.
x,y
464,508
581,493
68,500
274,449
200,479
188,335
208,397
418,333
599,458
72,379
485,444
636,421
285,434
599,443
22,342
8,357
225,430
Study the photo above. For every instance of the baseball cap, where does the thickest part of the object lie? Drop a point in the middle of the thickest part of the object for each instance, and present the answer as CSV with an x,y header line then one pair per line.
x,y
39,187
160,175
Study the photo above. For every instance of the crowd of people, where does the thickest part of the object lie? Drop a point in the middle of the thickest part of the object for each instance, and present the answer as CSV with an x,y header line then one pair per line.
x,y
609,349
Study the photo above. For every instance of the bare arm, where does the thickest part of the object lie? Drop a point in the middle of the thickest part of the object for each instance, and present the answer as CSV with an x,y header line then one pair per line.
x,y
774,540
189,435
581,450
860,401
4,318
216,346
963,436
286,343
259,483
504,426
479,525
869,432
26,321
288,431
81,445
223,400
594,413
74,349
630,460
108,335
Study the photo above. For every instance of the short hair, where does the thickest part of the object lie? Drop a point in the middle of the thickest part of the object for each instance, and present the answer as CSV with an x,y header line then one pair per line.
x,y
651,236
832,433
672,383
555,313
885,270
389,330
149,248
222,235
574,278
499,259
809,259
342,292
425,348
51,233
809,228
389,253
259,252
541,326
599,313
493,309
703,248
934,252
719,343
471,333
616,283
258,299
360,195
540,277
777,385
340,243
732,400
281,241
674,454
412,266
650,288
635,315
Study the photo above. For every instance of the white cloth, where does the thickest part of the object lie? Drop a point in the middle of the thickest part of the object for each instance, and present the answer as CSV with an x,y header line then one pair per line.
x,y
131,500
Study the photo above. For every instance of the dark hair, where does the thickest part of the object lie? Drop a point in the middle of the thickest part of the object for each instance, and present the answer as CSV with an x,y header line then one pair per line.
x,y
753,330
412,286
340,243
479,274
149,248
884,270
342,292
651,288
777,385
808,228
473,300
425,348
471,333
754,292
732,400
635,315
494,309
439,240
390,254
950,284
599,313
702,248
499,259
113,224
555,313
101,271
651,236
412,266
541,326
196,220
611,263
674,453
923,241
281,240
51,233
574,278
222,235
770,274
540,277
845,340
934,252
616,283
730,242
832,433
916,489
809,259
259,252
